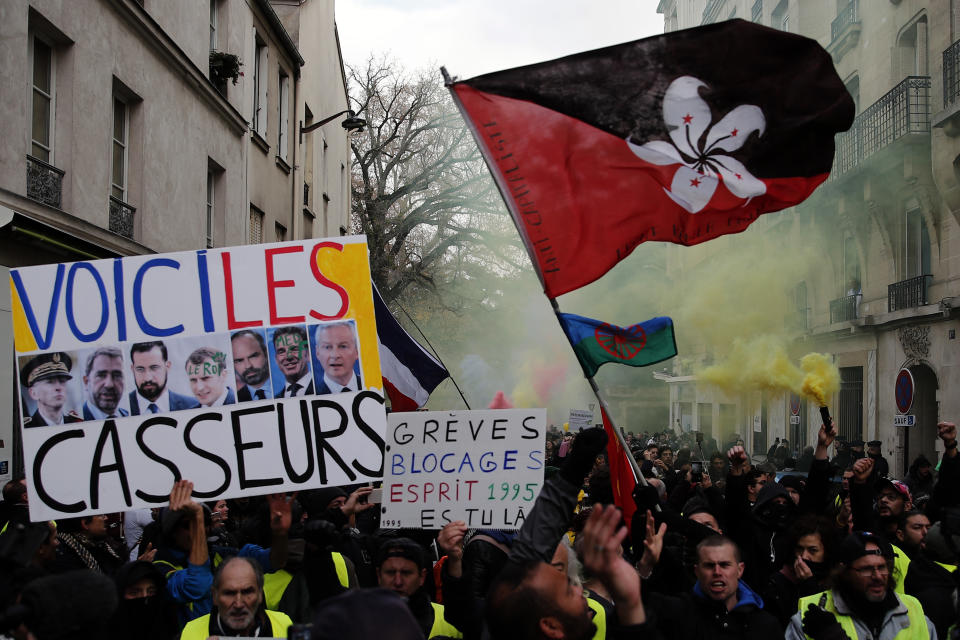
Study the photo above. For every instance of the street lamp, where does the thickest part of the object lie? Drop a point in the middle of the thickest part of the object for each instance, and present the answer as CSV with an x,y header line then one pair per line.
x,y
351,123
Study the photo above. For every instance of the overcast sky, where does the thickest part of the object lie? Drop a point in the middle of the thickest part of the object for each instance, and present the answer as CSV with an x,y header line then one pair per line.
x,y
471,37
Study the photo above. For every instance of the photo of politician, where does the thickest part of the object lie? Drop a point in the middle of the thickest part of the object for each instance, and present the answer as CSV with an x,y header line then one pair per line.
x,y
152,366
104,382
336,357
50,389
290,361
251,365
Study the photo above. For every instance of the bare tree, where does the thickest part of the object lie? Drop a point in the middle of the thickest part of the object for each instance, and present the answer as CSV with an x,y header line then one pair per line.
x,y
421,193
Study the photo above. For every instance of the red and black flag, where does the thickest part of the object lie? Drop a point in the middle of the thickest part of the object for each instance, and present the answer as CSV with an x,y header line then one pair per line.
x,y
677,138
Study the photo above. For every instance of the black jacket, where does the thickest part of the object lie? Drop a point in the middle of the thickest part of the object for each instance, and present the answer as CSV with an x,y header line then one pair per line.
x,y
694,617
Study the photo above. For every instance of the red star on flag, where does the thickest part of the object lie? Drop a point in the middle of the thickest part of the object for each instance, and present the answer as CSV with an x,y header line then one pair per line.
x,y
739,177
687,119
695,182
734,133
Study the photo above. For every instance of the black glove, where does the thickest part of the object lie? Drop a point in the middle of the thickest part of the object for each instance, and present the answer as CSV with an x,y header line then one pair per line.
x,y
588,444
822,625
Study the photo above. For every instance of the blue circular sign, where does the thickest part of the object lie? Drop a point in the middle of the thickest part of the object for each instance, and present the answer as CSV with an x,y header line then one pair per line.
x,y
904,390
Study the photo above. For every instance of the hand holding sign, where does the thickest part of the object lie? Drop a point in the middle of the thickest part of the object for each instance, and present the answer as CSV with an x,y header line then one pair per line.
x,y
450,541
280,517
181,498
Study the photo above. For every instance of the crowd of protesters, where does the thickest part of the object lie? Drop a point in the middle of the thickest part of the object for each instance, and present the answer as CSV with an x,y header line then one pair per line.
x,y
716,548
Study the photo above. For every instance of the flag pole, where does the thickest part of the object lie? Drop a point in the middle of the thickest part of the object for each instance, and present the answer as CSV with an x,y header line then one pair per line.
x,y
637,475
515,215
435,354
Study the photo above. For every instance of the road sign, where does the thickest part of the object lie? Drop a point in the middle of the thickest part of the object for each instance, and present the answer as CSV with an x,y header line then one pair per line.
x,y
794,406
904,421
904,390
794,419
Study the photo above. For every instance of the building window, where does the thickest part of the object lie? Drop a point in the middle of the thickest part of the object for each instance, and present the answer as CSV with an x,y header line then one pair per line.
x,y
260,89
916,246
912,49
803,308
853,87
213,24
851,266
211,206
850,411
121,128
308,180
256,225
779,18
307,226
280,231
42,126
282,137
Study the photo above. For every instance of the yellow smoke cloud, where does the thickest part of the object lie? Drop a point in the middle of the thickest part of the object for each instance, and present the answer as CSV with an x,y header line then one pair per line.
x,y
739,303
762,363
822,377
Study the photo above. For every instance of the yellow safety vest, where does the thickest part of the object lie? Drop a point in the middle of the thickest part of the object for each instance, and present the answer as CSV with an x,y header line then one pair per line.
x,y
915,630
901,564
276,583
199,629
599,619
440,625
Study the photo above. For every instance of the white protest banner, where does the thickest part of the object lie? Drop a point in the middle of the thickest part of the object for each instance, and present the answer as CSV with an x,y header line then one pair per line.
x,y
482,467
580,419
247,370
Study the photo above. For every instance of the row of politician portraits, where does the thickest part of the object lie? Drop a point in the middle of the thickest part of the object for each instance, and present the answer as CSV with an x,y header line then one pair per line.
x,y
187,373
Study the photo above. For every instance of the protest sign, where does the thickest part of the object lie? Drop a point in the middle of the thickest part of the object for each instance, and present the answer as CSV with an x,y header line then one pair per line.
x,y
482,467
581,419
247,370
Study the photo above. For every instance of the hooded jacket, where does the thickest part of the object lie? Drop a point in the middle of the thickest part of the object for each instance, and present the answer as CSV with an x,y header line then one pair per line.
x,y
756,530
693,616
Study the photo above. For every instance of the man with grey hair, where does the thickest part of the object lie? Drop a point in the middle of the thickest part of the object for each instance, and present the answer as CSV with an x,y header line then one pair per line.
x,y
238,606
336,349
103,383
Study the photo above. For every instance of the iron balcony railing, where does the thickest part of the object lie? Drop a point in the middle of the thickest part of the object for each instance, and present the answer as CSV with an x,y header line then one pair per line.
x,y
908,293
711,11
951,74
757,12
847,16
44,182
121,217
844,309
904,110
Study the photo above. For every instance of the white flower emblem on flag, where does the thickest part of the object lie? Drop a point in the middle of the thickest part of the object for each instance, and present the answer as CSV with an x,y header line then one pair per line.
x,y
704,165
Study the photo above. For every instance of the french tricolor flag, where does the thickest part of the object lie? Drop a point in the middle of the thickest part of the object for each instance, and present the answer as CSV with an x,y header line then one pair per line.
x,y
409,372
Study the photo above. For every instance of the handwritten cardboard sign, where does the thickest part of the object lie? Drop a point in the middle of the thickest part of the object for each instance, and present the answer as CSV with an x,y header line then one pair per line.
x,y
482,467
247,370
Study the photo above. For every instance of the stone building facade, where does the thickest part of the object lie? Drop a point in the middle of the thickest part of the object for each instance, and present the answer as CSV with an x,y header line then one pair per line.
x,y
884,300
141,126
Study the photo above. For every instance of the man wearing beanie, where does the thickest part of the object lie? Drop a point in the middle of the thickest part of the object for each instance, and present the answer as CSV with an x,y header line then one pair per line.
x,y
862,604
402,568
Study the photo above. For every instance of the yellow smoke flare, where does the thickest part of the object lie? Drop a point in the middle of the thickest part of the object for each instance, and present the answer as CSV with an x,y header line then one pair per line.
x,y
822,378
762,363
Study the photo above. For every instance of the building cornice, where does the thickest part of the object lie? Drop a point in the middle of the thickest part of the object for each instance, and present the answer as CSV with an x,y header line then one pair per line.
x,y
281,32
